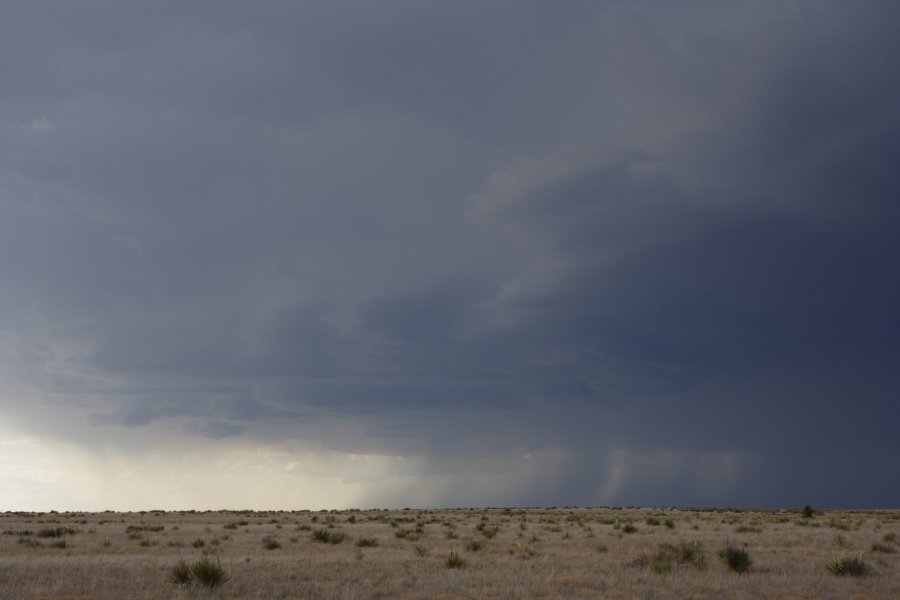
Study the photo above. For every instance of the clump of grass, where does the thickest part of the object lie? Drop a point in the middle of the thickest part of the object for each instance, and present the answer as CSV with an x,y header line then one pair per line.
x,y
59,544
838,524
670,523
669,556
474,546
19,532
25,541
328,537
847,566
366,542
454,561
55,531
490,532
523,552
885,548
653,521
737,559
889,538
629,528
198,543
407,534
748,529
134,528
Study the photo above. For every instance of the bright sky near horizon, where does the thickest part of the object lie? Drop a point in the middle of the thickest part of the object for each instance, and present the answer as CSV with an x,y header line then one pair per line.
x,y
325,254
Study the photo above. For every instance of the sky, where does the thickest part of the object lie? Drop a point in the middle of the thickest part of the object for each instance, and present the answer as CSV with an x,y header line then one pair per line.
x,y
334,254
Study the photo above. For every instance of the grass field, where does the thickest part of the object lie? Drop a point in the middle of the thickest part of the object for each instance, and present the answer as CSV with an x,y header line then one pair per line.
x,y
462,553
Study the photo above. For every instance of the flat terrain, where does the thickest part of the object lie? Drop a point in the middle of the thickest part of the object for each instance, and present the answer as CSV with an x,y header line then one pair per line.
x,y
503,553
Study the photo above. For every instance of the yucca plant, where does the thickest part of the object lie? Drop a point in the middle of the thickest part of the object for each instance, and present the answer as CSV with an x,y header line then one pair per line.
x,y
180,574
737,559
847,566
208,573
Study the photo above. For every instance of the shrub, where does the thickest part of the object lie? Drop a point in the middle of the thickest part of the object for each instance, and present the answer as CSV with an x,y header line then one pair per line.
x,y
737,559
652,521
270,543
889,537
670,523
366,542
847,566
208,573
885,548
455,562
629,528
808,512
198,543
59,544
474,546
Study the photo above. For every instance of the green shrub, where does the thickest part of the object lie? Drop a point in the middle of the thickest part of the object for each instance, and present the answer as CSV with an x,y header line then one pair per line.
x,y
847,566
737,559
270,543
328,537
336,537
455,562
808,512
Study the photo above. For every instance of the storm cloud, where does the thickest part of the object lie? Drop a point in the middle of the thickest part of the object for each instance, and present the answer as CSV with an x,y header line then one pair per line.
x,y
406,253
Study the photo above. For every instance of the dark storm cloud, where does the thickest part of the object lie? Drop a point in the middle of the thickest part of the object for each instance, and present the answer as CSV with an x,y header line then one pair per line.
x,y
652,245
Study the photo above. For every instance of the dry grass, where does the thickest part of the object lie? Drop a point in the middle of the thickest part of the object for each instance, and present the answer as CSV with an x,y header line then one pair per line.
x,y
504,553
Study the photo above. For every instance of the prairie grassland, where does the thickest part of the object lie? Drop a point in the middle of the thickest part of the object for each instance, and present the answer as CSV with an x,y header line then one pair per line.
x,y
499,553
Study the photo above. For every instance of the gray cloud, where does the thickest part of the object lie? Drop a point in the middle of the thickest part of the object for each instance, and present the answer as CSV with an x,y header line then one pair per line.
x,y
650,246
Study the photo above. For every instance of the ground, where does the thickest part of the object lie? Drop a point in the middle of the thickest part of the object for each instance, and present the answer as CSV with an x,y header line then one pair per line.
x,y
498,553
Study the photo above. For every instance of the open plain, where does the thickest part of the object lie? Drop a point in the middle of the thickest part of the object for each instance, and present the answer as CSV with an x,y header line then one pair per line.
x,y
460,553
